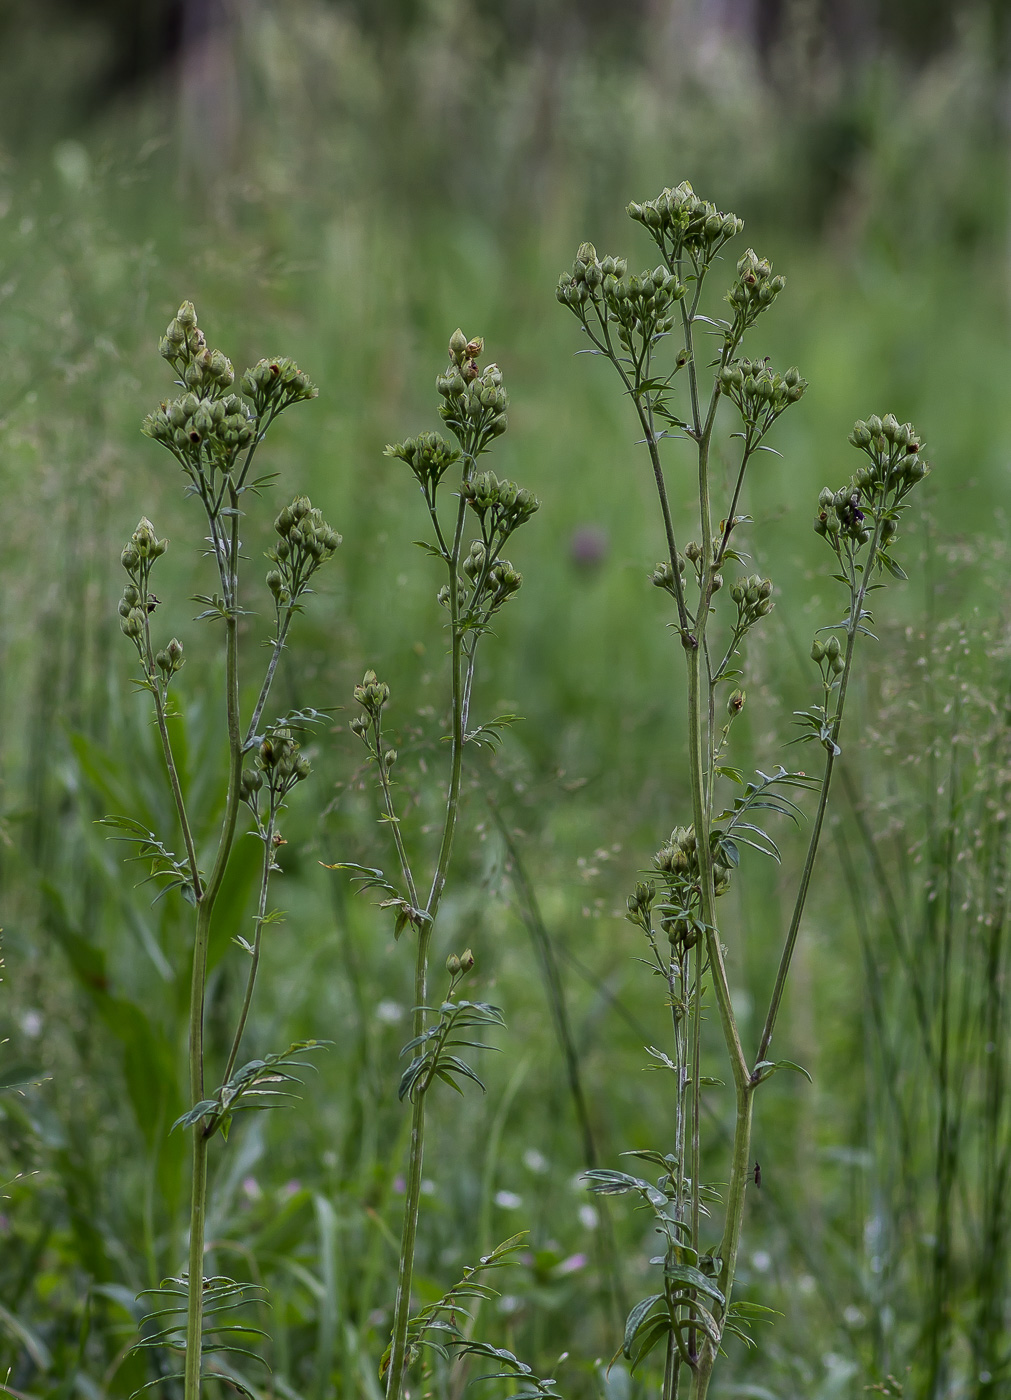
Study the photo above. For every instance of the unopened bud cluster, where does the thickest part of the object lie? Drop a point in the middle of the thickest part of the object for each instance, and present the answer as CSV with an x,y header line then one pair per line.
x,y
305,542
207,428
185,347
876,492
753,597
642,305
195,428
683,224
279,765
754,290
475,400
272,385
640,904
663,575
678,864
170,659
142,549
829,656
429,456
372,695
894,450
492,584
759,392
457,964
840,515
500,506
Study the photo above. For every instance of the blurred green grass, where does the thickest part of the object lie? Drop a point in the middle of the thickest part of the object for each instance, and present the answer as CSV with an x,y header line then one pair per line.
x,y
373,203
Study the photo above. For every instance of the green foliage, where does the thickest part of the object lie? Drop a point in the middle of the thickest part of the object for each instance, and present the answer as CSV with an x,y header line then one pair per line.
x,y
893,260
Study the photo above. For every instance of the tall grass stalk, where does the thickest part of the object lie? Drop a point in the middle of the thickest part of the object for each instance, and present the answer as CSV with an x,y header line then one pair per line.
x,y
938,1103
629,321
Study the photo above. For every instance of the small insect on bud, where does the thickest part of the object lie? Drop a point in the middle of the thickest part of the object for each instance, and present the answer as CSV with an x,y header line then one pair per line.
x,y
735,704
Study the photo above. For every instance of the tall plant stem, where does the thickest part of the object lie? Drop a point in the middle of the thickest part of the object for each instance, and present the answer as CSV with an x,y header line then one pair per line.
x,y
161,716
746,1083
254,963
405,1271
857,597
198,989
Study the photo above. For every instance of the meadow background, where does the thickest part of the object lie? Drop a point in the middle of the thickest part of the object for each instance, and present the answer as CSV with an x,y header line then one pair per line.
x,y
346,183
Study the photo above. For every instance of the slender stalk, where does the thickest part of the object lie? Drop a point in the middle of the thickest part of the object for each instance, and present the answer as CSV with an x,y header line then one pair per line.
x,y
198,987
405,1271
168,755
268,679
394,820
254,964
857,599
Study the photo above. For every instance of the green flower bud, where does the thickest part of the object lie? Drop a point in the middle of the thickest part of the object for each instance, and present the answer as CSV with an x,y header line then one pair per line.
x,y
466,960
735,704
372,694
133,624
453,965
251,782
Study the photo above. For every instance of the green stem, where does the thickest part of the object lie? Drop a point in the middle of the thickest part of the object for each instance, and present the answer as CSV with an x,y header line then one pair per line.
x,y
268,679
161,717
394,820
405,1271
857,598
198,988
261,914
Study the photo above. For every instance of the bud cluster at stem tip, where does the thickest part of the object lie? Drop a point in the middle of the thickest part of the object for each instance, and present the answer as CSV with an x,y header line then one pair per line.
x,y
753,292
641,305
759,392
753,597
475,400
501,506
429,457
138,555
682,224
829,656
372,694
279,764
207,427
876,493
306,541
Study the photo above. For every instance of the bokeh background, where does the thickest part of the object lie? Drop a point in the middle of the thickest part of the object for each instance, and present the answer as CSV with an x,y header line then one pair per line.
x,y
346,182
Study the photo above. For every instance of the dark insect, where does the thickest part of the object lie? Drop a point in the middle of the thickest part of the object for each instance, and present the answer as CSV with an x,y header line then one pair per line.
x,y
152,602
757,1174
850,513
